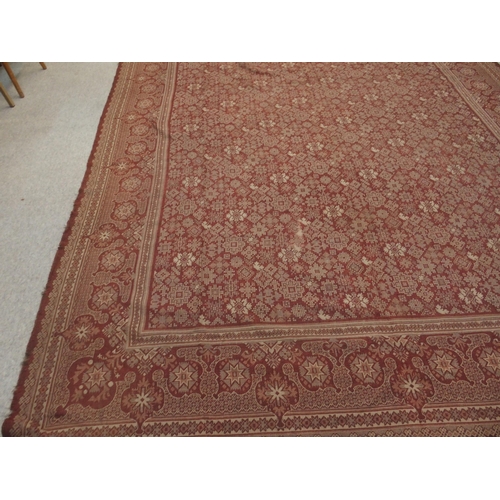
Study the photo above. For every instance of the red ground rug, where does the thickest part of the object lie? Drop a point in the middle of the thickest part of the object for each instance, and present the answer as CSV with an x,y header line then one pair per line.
x,y
278,249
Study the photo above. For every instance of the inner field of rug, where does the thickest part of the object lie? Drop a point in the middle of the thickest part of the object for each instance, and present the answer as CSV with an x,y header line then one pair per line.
x,y
313,193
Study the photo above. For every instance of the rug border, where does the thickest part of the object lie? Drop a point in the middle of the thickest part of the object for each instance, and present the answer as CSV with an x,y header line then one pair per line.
x,y
56,265
25,365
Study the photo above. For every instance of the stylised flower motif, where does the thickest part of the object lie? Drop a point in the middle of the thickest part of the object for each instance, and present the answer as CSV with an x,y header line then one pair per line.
x,y
291,290
131,184
239,307
234,244
343,120
280,178
191,127
368,174
314,372
365,369
281,203
191,181
426,266
356,301
137,148
179,294
121,166
317,272
333,211
494,244
236,215
278,393
476,138
471,296
234,376
428,206
227,104
184,259
405,284
315,146
142,399
488,359
112,260
455,169
267,124
397,142
105,296
412,386
124,211
105,235
438,235
491,360
232,150
207,276
290,254
184,378
302,190
337,240
395,249
445,365
232,171
81,333
145,103
91,383
376,199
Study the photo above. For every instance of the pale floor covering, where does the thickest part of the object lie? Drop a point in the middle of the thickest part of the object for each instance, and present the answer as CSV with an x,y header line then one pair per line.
x,y
45,143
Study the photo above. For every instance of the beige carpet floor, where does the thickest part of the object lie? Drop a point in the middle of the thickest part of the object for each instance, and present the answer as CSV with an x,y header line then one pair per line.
x,y
45,142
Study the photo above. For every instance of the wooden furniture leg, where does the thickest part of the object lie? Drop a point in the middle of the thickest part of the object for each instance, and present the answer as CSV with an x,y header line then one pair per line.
x,y
43,65
7,96
13,78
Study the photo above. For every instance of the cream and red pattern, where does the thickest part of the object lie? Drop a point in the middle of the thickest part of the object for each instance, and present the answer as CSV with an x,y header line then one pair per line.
x,y
279,249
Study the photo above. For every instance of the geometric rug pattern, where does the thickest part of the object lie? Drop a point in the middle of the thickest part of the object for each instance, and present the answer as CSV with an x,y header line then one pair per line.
x,y
278,249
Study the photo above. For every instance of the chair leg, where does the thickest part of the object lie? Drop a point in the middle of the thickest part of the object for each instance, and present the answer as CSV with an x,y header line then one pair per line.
x,y
43,65
7,96
13,78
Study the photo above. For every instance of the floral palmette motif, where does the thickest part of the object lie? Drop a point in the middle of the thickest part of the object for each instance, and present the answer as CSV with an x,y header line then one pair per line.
x,y
105,236
412,386
445,365
184,378
315,372
234,376
92,383
81,333
141,400
488,359
366,370
277,393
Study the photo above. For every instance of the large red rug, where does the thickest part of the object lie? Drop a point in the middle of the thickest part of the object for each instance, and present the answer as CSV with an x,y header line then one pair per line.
x,y
290,249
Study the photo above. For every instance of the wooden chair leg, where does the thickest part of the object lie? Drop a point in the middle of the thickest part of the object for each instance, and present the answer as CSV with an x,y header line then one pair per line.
x,y
43,65
7,96
13,78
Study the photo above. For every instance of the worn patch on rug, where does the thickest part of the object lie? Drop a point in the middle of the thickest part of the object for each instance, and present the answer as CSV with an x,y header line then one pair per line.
x,y
291,249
